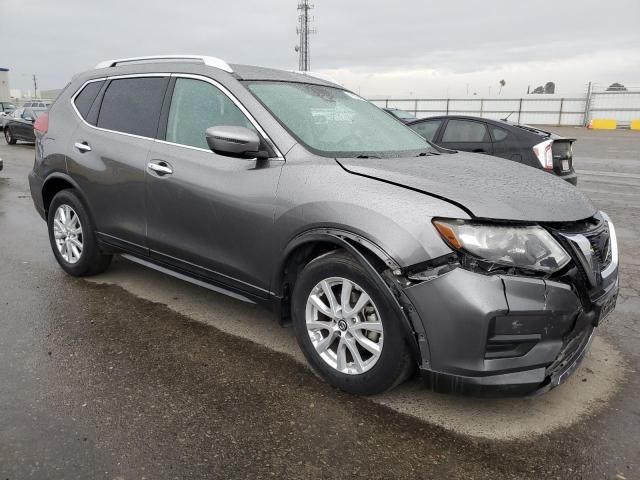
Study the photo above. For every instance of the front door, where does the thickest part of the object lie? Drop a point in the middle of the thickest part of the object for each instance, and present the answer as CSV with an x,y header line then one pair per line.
x,y
209,214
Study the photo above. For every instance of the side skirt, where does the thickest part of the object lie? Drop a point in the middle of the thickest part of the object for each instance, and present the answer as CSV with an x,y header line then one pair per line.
x,y
186,278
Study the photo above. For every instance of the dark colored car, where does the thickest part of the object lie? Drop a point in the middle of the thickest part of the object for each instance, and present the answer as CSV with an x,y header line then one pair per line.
x,y
402,115
500,138
287,190
21,127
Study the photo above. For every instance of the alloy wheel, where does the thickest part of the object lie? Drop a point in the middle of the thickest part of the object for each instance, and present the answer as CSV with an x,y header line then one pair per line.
x,y
67,231
344,325
7,135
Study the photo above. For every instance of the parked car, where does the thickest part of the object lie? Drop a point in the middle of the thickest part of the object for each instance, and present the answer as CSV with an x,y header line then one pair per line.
x,y
500,138
7,107
401,115
384,253
20,127
4,119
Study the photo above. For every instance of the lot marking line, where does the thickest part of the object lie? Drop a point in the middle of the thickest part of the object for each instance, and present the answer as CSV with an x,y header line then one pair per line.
x,y
608,174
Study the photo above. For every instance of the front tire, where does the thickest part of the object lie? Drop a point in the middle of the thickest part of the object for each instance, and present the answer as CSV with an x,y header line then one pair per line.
x,y
72,236
347,327
8,136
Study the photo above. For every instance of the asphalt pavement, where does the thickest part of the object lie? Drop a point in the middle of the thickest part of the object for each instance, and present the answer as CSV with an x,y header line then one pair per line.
x,y
137,375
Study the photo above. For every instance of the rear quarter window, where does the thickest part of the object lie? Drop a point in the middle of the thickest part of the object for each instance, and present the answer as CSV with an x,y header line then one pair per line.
x,y
84,100
132,105
498,133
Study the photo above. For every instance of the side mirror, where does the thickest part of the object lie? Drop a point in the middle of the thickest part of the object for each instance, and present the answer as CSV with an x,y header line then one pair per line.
x,y
28,118
234,141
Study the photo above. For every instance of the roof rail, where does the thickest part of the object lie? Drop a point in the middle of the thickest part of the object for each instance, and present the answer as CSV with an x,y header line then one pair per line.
x,y
320,76
209,61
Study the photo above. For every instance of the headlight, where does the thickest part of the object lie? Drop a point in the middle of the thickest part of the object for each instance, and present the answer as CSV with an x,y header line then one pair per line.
x,y
528,247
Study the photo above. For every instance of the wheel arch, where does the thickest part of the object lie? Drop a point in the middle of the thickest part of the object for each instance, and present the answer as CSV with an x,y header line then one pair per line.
x,y
54,184
315,243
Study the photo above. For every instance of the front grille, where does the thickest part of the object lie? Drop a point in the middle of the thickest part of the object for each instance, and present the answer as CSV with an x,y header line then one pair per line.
x,y
601,245
596,231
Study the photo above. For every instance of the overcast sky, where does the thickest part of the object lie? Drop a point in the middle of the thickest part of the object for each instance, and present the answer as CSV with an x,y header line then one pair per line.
x,y
379,48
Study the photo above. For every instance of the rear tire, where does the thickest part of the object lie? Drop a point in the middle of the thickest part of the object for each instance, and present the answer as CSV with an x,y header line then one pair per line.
x,y
72,236
359,359
8,136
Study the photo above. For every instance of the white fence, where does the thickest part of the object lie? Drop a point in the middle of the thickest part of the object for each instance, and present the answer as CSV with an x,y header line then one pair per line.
x,y
623,106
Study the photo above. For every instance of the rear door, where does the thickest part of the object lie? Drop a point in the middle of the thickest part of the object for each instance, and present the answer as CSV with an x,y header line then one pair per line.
x,y
467,135
210,214
108,153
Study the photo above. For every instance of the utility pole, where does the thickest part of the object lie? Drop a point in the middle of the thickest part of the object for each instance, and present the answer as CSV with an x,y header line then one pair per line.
x,y
304,30
35,87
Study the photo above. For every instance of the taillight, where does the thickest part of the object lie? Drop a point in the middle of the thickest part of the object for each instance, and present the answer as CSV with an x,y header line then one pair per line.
x,y
42,123
544,154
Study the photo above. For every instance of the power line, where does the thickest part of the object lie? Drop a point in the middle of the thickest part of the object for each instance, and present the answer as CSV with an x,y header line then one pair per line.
x,y
304,30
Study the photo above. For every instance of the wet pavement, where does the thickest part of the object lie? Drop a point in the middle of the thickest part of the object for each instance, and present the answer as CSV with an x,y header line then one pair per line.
x,y
142,376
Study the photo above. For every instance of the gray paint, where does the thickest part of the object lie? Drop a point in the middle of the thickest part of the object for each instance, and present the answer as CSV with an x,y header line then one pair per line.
x,y
489,187
231,222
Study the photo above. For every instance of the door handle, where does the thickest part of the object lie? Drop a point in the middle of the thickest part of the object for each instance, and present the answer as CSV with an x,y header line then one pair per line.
x,y
82,147
160,168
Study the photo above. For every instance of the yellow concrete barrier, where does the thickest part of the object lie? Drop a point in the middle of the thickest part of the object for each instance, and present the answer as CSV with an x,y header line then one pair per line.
x,y
635,125
603,124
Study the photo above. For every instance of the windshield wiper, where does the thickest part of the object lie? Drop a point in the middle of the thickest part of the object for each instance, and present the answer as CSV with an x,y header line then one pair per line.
x,y
368,156
426,154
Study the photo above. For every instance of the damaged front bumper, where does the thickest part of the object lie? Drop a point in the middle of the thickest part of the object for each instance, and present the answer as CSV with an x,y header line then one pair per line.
x,y
505,331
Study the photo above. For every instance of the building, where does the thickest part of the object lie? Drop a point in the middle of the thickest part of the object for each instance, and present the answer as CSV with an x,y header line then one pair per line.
x,y
4,84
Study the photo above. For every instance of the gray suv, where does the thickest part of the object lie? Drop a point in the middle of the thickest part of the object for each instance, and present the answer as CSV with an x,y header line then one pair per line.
x,y
386,252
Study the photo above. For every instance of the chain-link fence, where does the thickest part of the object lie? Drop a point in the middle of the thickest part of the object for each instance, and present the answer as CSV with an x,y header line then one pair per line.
x,y
597,102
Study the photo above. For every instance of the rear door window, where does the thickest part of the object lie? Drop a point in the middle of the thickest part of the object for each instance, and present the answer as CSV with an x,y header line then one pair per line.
x,y
86,97
132,105
427,129
465,131
197,105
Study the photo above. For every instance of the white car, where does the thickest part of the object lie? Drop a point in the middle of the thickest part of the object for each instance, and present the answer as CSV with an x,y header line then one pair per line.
x,y
5,116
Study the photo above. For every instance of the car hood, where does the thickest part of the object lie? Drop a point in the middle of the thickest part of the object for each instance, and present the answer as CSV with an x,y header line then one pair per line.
x,y
484,186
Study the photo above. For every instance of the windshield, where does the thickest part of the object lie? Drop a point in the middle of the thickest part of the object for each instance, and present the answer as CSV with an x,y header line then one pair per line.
x,y
335,122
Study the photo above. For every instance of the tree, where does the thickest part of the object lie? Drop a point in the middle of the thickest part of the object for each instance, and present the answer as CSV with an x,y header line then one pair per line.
x,y
502,84
616,87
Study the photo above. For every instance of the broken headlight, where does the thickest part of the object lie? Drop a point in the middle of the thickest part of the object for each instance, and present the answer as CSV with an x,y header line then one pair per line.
x,y
527,247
